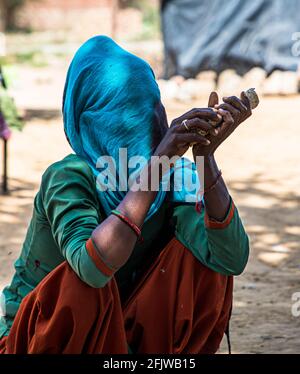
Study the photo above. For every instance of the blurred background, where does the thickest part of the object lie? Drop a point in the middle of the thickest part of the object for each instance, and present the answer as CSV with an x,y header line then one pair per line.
x,y
194,47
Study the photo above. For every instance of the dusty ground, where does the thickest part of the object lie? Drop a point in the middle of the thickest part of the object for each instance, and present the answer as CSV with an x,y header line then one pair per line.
x,y
261,166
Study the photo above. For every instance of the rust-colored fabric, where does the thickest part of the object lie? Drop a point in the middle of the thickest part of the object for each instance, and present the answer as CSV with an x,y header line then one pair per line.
x,y
97,260
212,224
179,306
2,344
65,315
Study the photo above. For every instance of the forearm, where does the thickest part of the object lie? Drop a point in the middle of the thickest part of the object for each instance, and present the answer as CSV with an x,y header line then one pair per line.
x,y
217,199
114,239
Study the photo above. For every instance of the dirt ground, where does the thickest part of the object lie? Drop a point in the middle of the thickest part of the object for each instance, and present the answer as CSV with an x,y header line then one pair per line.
x,y
260,163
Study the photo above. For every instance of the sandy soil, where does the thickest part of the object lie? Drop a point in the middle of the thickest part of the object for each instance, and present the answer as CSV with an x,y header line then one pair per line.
x,y
261,166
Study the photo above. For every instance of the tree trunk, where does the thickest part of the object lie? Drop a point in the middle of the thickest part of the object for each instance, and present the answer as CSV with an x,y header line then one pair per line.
x,y
2,15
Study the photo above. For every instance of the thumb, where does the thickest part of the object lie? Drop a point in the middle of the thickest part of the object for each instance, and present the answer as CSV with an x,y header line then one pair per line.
x,y
213,99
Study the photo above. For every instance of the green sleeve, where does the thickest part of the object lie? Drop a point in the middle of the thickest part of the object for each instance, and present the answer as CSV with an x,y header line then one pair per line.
x,y
70,204
221,246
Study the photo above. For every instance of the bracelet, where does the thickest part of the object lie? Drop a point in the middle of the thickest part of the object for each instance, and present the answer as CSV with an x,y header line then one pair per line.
x,y
129,223
199,203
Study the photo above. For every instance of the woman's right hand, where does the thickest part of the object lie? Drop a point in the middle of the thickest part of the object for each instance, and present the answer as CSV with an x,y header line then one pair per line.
x,y
180,137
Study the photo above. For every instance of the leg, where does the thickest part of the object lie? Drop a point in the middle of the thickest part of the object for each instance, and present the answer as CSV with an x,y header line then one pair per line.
x,y
64,315
179,307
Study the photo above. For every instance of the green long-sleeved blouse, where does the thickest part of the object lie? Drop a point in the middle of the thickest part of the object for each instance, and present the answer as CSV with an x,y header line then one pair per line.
x,y
66,211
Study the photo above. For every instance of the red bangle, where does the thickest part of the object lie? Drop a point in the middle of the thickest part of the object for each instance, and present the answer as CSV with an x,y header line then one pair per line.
x,y
199,203
129,223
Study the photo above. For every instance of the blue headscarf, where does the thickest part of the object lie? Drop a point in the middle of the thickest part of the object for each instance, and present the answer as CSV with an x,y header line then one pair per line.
x,y
108,104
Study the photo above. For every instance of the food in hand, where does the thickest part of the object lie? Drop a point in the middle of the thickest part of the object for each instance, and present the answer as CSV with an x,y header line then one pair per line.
x,y
253,97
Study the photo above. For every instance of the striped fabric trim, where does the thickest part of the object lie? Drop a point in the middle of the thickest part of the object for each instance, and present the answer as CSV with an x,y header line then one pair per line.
x,y
100,264
212,224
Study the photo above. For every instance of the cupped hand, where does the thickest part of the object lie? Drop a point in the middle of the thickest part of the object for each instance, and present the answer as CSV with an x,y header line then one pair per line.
x,y
233,111
184,132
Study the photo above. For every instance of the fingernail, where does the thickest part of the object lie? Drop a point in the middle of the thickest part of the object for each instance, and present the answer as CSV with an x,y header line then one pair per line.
x,y
207,142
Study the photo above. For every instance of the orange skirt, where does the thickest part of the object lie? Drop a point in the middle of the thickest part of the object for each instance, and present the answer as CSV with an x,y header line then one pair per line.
x,y
179,306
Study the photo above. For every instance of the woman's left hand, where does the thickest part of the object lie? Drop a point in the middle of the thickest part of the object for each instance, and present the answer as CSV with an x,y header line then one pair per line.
x,y
234,111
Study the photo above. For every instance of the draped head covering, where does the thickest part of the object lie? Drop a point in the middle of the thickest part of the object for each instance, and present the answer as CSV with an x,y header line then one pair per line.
x,y
109,101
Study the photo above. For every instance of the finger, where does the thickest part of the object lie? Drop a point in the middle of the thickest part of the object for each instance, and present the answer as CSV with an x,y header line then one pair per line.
x,y
223,129
205,113
229,108
191,138
213,99
227,119
235,102
197,124
246,101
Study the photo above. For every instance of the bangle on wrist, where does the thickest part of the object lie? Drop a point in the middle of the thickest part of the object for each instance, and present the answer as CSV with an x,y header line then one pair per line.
x,y
200,194
133,226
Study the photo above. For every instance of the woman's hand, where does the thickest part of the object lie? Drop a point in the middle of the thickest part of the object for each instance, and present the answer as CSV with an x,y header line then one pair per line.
x,y
183,132
234,111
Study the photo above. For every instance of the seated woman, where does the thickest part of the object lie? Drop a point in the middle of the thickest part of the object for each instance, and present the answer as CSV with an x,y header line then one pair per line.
x,y
127,270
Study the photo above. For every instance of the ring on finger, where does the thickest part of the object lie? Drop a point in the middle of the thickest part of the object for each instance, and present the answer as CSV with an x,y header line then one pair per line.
x,y
183,123
202,132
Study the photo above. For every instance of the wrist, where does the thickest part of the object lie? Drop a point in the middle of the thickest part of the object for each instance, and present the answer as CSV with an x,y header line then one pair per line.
x,y
211,169
209,162
207,153
209,158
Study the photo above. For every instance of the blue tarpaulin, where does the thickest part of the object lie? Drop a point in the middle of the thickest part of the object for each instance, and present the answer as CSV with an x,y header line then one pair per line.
x,y
240,34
